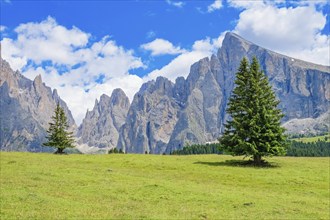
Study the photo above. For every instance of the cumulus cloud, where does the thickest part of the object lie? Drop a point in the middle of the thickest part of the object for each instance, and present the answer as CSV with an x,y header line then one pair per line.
x,y
216,5
294,31
161,47
69,61
2,28
309,2
175,4
180,65
49,41
244,4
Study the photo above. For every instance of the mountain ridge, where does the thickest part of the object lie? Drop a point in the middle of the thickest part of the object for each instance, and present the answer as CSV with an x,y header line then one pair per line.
x,y
201,116
101,125
26,110
296,60
164,115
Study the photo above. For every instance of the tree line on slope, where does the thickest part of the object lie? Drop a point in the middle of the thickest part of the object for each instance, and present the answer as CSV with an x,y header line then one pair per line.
x,y
310,149
295,149
199,149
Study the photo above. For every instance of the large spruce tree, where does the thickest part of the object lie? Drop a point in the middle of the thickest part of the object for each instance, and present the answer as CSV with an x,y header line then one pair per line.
x,y
59,137
254,128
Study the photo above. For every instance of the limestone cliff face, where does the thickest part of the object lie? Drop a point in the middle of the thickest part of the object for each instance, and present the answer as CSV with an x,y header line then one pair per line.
x,y
151,118
199,120
101,125
26,110
302,87
199,102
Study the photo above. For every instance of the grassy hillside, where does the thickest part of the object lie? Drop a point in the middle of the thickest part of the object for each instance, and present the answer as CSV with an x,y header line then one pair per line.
x,y
313,139
46,186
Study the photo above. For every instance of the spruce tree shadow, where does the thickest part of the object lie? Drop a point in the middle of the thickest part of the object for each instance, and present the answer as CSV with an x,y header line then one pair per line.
x,y
240,163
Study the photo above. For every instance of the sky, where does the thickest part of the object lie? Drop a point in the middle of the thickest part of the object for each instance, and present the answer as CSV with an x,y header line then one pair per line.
x,y
88,48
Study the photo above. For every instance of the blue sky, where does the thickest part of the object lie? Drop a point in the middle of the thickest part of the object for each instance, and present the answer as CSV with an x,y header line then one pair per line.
x,y
87,48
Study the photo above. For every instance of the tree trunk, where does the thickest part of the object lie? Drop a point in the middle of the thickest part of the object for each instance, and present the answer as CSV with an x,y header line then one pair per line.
x,y
59,151
257,159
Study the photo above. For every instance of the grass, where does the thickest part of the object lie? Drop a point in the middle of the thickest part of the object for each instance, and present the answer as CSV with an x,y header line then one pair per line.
x,y
313,139
116,186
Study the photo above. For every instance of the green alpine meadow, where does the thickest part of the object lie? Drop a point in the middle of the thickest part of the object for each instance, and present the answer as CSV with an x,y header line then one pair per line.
x,y
164,110
132,186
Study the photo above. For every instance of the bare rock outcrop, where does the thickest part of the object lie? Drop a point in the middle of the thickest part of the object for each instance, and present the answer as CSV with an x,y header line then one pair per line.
x,y
151,118
26,108
100,127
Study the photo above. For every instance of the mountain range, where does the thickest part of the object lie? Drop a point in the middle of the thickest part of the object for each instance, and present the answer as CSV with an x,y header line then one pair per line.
x,y
26,108
164,115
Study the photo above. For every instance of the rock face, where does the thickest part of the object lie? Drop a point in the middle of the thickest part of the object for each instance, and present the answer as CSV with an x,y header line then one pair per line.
x,y
166,116
101,126
307,126
26,108
151,118
200,120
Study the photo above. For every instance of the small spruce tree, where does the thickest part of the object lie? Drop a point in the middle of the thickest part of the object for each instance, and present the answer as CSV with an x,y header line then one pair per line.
x,y
254,128
58,135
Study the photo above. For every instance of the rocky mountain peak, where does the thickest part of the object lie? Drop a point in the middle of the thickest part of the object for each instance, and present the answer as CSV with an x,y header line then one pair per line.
x,y
28,107
5,66
164,86
118,97
197,71
55,94
101,126
38,80
234,42
118,93
103,99
96,103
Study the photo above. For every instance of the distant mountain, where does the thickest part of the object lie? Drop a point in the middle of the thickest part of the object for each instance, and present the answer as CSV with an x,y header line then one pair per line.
x,y
151,118
26,108
165,116
101,126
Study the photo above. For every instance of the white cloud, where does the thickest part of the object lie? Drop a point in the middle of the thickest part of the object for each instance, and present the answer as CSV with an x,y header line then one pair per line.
x,y
293,31
180,66
243,4
46,41
2,28
175,4
309,2
83,62
216,5
161,47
